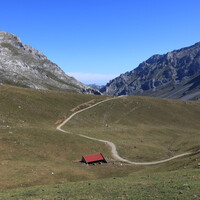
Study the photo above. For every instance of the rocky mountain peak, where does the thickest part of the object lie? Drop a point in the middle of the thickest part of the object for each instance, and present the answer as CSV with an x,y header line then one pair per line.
x,y
9,37
22,65
161,75
8,40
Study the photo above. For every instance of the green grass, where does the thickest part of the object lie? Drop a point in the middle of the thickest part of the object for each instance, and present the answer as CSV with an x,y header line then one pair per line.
x,y
182,184
29,140
144,129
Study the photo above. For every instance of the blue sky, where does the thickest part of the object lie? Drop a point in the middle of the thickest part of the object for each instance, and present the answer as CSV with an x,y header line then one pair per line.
x,y
96,40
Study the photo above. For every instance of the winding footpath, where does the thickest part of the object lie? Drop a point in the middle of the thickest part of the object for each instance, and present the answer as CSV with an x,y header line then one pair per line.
x,y
114,152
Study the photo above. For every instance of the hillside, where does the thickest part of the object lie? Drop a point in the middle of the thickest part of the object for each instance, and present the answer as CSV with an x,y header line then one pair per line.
x,y
22,65
174,75
143,129
33,152
30,146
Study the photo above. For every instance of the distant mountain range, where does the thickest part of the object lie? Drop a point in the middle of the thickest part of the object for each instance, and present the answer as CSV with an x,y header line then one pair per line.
x,y
174,75
22,65
95,86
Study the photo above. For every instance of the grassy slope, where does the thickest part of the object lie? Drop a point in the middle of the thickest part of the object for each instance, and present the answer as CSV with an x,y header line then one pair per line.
x,y
30,147
144,129
167,185
31,150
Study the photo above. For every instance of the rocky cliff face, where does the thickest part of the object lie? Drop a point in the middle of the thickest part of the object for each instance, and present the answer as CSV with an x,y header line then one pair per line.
x,y
173,75
23,65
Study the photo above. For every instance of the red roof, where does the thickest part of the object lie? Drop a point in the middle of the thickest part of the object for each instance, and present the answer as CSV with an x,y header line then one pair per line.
x,y
94,158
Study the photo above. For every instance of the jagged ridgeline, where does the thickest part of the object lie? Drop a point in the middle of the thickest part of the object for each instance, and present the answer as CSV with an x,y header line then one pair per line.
x,y
22,65
174,75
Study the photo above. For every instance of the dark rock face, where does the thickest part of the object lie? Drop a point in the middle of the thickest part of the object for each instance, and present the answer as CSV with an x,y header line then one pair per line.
x,y
172,75
23,65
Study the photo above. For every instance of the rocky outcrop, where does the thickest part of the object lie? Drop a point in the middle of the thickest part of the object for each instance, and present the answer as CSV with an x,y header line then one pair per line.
x,y
22,65
173,75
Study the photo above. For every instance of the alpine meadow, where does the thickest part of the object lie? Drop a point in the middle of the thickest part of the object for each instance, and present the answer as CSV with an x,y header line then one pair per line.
x,y
100,100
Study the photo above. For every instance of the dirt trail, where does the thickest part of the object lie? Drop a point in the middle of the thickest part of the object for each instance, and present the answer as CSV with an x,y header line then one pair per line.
x,y
112,145
83,104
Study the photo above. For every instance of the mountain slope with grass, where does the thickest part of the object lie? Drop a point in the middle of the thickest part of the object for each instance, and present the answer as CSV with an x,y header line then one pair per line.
x,y
22,65
39,162
144,129
173,75
31,148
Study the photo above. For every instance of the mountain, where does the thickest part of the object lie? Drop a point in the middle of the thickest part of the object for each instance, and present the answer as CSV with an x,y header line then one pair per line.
x,y
25,66
174,75
95,86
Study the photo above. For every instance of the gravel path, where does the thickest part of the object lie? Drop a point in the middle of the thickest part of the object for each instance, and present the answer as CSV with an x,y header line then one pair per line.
x,y
112,145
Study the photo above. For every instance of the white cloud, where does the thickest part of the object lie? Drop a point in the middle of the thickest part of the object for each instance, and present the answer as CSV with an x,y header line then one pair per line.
x,y
89,78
